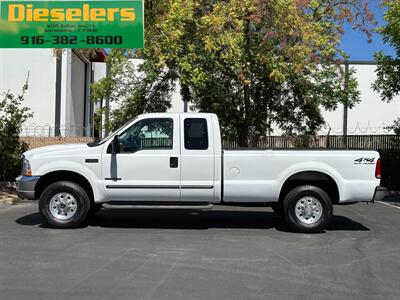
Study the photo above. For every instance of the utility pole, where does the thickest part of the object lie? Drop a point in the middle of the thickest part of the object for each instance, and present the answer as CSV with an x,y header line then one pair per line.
x,y
345,107
107,112
57,123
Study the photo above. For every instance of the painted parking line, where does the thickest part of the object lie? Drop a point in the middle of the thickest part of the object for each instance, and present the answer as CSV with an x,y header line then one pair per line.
x,y
392,205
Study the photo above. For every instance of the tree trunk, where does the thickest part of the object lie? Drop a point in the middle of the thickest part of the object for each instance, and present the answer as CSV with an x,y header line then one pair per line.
x,y
243,132
186,96
244,123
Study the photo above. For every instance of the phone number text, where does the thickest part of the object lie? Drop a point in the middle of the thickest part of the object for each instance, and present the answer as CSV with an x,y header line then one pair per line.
x,y
72,40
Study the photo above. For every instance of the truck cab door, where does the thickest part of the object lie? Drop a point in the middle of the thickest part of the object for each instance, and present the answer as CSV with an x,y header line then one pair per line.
x,y
148,165
197,158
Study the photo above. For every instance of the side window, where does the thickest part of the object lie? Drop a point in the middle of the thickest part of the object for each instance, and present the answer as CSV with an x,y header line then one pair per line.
x,y
148,134
196,135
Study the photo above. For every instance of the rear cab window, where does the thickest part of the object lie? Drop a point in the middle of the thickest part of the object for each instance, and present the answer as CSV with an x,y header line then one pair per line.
x,y
196,134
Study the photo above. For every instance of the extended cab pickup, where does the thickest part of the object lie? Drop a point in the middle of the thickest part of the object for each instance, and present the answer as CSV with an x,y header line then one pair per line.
x,y
169,159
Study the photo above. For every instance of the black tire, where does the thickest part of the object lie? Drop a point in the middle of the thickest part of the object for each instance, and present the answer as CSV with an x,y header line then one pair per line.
x,y
296,195
277,208
82,204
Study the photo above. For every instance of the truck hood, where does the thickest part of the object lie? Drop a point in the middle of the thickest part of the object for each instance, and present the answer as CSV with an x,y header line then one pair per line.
x,y
56,149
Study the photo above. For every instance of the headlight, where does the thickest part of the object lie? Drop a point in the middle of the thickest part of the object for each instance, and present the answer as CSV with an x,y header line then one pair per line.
x,y
26,167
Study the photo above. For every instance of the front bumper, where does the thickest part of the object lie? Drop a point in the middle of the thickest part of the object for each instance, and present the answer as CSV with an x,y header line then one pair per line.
x,y
26,186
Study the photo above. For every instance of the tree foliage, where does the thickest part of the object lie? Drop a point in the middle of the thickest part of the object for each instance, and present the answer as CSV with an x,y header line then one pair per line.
x,y
257,64
388,71
12,116
128,91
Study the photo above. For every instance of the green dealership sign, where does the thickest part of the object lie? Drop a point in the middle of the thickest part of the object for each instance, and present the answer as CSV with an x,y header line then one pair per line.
x,y
71,24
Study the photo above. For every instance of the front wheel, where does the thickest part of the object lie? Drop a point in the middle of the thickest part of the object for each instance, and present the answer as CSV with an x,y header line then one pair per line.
x,y
307,209
64,204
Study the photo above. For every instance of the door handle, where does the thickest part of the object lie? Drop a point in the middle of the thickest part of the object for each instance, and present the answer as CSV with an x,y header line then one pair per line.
x,y
173,162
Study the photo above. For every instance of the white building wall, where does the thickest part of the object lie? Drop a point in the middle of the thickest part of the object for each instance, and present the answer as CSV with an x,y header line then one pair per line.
x,y
66,90
77,105
371,115
15,64
75,90
334,121
99,71
41,65
177,105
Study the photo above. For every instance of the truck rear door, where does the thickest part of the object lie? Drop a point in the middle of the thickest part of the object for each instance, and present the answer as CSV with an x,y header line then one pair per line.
x,y
197,158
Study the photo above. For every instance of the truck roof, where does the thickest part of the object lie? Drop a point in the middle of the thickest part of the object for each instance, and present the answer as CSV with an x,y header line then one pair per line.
x,y
179,113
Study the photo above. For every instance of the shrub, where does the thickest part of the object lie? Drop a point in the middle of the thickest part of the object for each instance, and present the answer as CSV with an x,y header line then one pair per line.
x,y
12,116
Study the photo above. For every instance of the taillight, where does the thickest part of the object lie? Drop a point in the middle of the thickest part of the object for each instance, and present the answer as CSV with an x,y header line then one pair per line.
x,y
378,169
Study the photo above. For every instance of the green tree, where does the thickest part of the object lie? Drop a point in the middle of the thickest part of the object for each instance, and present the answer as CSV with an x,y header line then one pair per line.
x,y
128,93
131,93
395,127
388,70
12,116
255,63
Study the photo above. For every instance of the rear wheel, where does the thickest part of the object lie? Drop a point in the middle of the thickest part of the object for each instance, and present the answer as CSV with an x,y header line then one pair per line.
x,y
307,209
64,204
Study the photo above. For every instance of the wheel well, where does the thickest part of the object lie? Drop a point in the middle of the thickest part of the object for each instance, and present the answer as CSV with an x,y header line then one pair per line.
x,y
318,179
52,177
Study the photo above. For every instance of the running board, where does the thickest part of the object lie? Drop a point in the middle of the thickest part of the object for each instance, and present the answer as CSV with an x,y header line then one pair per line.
x,y
196,206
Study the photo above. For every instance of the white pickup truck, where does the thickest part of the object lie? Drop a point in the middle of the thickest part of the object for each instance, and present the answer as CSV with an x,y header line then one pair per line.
x,y
170,160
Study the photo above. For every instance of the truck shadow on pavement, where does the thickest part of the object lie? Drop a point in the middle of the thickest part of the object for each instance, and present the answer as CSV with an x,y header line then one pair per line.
x,y
192,219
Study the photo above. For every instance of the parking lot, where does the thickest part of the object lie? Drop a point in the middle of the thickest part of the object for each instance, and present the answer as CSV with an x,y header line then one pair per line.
x,y
224,253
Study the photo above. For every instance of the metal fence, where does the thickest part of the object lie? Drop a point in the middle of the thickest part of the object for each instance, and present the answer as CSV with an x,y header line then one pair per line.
x,y
51,131
37,141
155,143
372,142
37,136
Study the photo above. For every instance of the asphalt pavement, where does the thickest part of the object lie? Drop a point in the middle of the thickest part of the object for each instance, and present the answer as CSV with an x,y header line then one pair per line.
x,y
225,253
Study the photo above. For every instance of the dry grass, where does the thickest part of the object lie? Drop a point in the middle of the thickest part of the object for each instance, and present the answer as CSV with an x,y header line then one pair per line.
x,y
8,195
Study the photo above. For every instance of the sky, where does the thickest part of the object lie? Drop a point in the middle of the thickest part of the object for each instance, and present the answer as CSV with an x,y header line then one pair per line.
x,y
356,44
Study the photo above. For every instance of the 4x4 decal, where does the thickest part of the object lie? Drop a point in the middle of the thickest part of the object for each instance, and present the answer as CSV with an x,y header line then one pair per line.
x,y
364,161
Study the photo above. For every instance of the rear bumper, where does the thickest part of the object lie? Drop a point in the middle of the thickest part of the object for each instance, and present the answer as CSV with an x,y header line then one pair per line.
x,y
26,186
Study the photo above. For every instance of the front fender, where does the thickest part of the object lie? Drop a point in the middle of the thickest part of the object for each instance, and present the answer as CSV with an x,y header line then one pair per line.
x,y
67,165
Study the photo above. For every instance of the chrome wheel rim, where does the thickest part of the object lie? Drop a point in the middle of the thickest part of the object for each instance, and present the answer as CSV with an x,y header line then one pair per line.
x,y
308,210
63,206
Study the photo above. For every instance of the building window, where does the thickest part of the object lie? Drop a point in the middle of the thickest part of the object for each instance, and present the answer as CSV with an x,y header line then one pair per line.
x,y
196,135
